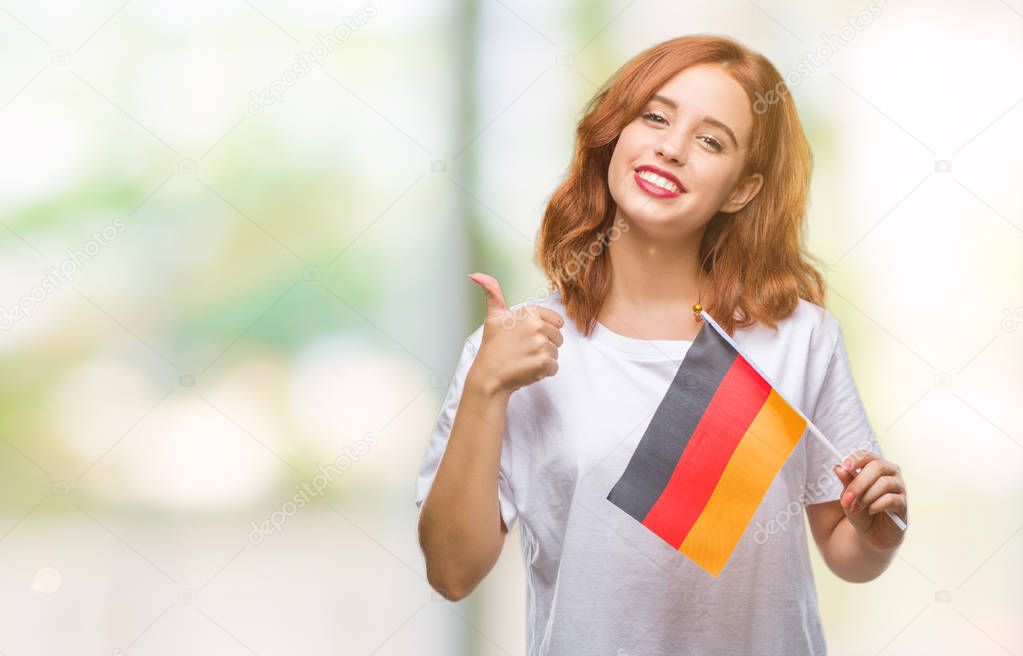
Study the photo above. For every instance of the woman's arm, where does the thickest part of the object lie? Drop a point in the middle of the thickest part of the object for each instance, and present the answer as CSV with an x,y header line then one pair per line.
x,y
856,538
460,528
845,551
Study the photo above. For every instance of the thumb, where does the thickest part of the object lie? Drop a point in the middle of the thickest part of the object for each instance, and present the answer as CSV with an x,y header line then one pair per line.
x,y
495,300
843,476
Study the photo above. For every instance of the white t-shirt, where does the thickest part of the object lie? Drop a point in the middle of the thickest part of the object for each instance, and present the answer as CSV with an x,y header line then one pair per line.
x,y
598,581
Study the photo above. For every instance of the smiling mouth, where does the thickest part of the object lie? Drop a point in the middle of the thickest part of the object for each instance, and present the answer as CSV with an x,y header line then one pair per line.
x,y
651,181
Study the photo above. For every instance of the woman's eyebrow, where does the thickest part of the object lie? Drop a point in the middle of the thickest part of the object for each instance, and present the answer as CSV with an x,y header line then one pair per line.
x,y
706,119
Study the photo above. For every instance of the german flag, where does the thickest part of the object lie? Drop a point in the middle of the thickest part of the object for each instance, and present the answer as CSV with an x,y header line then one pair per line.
x,y
716,442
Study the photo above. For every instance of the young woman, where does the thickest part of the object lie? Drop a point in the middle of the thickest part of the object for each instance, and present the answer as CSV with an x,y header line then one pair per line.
x,y
688,188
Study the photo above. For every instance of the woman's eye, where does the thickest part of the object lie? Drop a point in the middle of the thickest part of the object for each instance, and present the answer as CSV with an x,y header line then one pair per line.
x,y
713,143
710,141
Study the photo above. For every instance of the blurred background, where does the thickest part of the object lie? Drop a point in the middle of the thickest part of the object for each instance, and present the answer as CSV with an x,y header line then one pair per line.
x,y
234,240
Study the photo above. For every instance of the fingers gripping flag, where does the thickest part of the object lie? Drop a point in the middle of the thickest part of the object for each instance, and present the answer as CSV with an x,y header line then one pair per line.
x,y
714,445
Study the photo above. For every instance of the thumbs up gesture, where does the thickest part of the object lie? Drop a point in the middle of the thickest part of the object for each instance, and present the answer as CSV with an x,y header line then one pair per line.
x,y
518,348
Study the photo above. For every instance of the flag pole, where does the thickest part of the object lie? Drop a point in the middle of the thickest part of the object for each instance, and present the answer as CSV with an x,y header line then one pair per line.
x,y
809,424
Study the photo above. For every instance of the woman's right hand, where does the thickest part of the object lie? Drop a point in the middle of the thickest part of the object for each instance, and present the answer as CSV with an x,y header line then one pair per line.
x,y
518,348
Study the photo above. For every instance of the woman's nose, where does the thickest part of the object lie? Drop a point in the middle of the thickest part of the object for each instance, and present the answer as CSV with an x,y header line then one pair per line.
x,y
669,151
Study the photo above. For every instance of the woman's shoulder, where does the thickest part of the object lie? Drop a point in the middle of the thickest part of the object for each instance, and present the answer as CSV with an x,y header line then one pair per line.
x,y
809,324
816,320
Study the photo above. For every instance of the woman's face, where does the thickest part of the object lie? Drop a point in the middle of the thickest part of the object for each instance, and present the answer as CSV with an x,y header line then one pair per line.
x,y
680,160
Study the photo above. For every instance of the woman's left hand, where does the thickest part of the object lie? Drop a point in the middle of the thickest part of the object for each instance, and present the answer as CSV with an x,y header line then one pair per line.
x,y
866,495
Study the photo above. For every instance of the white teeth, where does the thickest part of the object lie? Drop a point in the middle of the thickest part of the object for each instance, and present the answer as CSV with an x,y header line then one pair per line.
x,y
660,181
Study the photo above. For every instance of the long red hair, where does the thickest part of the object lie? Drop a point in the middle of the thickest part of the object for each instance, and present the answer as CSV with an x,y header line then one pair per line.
x,y
754,258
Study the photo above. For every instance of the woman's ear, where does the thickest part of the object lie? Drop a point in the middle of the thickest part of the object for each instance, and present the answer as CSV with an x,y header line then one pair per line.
x,y
743,194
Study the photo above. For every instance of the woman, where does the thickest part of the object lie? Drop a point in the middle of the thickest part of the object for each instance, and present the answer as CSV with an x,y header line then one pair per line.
x,y
688,189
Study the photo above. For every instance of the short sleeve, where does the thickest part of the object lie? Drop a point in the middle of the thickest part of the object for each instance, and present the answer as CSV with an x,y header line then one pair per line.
x,y
442,431
840,416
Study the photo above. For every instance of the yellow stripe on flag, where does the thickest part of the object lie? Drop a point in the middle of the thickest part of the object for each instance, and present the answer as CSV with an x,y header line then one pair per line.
x,y
760,454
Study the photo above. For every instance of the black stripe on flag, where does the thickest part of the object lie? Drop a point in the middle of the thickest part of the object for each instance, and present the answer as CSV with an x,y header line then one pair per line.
x,y
697,379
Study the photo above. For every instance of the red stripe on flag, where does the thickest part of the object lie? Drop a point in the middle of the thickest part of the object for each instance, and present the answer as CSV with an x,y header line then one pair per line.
x,y
735,404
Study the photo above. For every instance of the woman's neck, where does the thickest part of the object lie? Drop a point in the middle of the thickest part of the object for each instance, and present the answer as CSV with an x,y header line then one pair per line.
x,y
654,285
